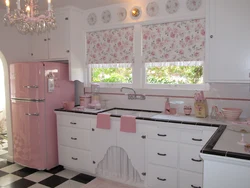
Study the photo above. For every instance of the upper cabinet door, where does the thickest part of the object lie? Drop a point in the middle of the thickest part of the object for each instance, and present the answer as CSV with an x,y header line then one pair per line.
x,y
228,41
40,46
59,38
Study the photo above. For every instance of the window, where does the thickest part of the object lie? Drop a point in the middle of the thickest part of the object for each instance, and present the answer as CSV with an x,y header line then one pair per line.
x,y
174,53
111,75
110,55
167,55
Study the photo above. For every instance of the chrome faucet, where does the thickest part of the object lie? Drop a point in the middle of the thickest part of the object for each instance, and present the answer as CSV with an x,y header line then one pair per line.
x,y
128,89
134,96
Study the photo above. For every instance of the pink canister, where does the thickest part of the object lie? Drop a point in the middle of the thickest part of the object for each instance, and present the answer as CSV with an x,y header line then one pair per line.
x,y
85,100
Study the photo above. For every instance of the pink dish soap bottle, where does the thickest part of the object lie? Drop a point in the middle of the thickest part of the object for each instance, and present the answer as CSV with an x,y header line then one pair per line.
x,y
167,107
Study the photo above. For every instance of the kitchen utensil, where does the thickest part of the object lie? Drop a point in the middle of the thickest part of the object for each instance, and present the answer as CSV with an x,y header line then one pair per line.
x,y
231,114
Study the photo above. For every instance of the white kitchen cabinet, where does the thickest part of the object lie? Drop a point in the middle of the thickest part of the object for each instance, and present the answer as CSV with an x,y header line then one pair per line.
x,y
59,39
134,145
228,41
100,141
40,46
65,43
53,45
190,180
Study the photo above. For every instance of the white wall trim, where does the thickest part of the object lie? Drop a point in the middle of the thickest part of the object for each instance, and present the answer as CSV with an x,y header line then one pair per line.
x,y
7,105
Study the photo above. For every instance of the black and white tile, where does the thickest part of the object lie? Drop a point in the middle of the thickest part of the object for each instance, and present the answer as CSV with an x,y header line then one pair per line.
x,y
15,176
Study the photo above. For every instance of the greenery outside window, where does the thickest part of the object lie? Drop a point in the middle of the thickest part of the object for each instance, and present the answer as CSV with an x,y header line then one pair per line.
x,y
116,75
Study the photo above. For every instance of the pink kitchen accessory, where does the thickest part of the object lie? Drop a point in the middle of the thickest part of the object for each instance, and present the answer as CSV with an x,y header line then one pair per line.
x,y
103,121
231,114
128,124
68,105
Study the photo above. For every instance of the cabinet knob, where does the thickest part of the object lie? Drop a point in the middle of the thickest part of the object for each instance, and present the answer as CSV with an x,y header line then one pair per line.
x,y
67,51
45,40
93,162
31,54
144,173
211,36
66,18
93,129
143,137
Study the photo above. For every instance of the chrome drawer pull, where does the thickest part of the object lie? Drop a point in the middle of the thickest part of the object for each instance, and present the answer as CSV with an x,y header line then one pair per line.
x,y
161,179
73,138
163,155
72,123
34,114
195,186
196,140
75,159
31,87
195,160
162,135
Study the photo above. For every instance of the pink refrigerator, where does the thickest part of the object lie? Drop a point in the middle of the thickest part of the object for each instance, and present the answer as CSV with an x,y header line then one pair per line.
x,y
36,90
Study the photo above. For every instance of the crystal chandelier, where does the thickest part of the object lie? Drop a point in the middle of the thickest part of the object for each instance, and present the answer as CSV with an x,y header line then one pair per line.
x,y
30,20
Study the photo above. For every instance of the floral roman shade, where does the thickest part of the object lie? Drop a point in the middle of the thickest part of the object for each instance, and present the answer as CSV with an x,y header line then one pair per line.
x,y
110,48
177,42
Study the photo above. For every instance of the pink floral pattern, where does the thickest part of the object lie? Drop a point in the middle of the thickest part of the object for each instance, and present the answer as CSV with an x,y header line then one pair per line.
x,y
111,46
174,42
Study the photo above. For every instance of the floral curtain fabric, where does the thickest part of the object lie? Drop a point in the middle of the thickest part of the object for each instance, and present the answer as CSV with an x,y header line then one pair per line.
x,y
174,42
111,47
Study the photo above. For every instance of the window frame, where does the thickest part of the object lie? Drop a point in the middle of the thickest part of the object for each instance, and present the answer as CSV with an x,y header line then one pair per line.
x,y
139,68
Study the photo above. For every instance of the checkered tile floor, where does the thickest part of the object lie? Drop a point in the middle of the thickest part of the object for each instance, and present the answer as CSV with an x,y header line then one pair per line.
x,y
15,176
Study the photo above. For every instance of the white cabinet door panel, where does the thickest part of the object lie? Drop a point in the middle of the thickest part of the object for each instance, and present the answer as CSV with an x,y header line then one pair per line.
x,y
75,159
190,180
190,158
100,141
229,41
76,138
40,47
163,153
134,146
59,38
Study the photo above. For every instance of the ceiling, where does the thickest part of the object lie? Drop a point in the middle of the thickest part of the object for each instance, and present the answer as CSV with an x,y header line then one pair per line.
x,y
83,4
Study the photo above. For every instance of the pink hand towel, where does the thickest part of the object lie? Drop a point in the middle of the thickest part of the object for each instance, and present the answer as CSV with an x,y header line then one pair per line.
x,y
103,121
128,124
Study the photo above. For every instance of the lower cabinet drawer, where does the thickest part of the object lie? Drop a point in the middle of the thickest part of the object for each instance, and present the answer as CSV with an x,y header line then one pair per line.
x,y
161,177
190,158
74,121
163,153
75,159
72,137
190,180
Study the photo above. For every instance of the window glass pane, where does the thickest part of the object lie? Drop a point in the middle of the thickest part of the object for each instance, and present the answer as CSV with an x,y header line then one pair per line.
x,y
112,75
173,74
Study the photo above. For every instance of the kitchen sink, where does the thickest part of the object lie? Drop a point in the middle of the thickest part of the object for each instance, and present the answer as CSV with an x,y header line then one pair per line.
x,y
137,113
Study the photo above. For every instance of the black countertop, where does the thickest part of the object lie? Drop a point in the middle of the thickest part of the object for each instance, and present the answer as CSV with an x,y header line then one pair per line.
x,y
207,149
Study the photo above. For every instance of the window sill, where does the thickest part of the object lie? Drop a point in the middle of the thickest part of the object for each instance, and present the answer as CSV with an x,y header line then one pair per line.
x,y
189,87
184,87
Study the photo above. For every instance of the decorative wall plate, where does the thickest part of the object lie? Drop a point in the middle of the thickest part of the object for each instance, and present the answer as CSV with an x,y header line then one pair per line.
x,y
122,14
92,19
194,5
172,6
106,16
152,9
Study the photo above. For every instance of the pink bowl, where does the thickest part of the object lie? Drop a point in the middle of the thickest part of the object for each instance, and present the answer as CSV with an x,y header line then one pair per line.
x,y
69,105
231,113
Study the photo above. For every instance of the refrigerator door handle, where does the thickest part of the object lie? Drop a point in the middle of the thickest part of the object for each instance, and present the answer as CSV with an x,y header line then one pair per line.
x,y
31,87
34,114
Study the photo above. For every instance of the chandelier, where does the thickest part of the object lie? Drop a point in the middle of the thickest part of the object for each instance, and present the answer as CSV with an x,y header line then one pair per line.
x,y
30,20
